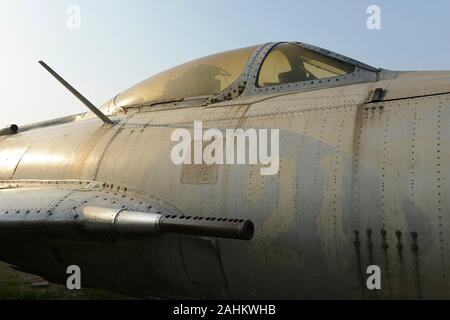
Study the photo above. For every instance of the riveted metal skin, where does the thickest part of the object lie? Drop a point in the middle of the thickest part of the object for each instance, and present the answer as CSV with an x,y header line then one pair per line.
x,y
361,182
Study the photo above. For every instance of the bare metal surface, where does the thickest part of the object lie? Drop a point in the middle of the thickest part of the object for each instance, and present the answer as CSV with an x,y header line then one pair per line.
x,y
360,183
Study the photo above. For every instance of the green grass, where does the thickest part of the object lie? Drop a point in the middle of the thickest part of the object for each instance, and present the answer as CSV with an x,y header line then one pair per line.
x,y
15,285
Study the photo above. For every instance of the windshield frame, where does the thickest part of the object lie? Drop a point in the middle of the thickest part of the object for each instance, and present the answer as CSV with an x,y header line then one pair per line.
x,y
363,73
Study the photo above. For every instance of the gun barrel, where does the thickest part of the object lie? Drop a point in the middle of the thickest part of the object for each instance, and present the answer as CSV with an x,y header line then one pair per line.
x,y
134,223
210,227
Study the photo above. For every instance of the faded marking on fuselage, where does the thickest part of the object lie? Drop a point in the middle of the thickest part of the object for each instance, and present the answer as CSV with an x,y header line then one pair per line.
x,y
199,173
208,174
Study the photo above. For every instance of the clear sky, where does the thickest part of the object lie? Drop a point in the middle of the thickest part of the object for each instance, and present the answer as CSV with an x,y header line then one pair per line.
x,y
121,42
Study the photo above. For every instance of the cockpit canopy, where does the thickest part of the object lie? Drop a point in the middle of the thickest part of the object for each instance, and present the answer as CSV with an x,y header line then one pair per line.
x,y
271,66
202,77
289,63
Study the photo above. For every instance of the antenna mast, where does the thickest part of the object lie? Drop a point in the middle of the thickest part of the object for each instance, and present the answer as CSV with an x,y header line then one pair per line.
x,y
80,97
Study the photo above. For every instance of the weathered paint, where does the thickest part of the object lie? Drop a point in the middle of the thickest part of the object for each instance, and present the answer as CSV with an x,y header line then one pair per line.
x,y
359,184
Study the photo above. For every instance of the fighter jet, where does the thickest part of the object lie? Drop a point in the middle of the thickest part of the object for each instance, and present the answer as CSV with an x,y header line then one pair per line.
x,y
360,186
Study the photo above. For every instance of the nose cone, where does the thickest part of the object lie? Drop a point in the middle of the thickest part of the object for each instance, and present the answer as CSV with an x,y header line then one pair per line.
x,y
416,84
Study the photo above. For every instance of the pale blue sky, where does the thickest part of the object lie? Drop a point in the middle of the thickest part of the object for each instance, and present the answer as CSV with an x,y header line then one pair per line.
x,y
124,41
